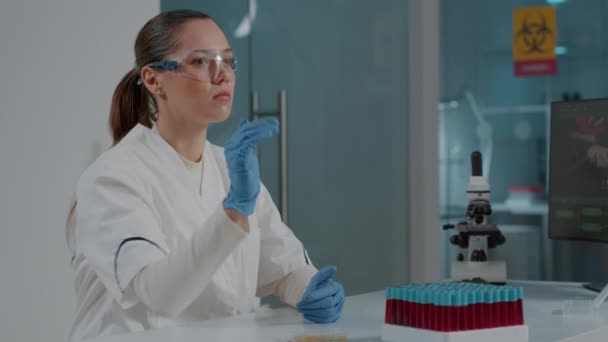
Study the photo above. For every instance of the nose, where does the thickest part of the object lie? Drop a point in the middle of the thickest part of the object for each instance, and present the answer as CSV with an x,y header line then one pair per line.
x,y
225,74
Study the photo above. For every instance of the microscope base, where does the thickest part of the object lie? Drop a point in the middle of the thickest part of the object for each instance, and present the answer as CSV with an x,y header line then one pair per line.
x,y
490,271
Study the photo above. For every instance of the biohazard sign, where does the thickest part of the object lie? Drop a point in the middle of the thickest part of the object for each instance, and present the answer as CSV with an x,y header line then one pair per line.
x,y
534,41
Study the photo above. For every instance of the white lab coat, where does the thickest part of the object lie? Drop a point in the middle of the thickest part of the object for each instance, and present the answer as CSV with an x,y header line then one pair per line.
x,y
135,204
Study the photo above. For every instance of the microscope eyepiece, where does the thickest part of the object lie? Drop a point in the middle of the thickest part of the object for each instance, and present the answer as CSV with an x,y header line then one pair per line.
x,y
476,164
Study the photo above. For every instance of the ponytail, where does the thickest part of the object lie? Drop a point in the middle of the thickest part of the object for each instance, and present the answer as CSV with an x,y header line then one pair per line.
x,y
70,227
131,104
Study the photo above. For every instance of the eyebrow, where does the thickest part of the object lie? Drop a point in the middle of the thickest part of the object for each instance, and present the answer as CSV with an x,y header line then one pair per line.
x,y
208,50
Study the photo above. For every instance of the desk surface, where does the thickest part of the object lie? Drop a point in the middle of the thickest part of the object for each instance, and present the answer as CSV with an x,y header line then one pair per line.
x,y
364,314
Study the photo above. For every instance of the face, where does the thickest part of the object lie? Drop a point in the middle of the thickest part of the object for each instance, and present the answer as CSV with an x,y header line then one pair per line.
x,y
188,100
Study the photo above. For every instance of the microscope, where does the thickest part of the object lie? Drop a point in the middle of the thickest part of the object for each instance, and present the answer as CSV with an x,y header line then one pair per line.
x,y
476,235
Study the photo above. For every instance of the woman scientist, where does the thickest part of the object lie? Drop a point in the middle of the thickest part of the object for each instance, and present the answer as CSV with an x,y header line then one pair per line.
x,y
168,228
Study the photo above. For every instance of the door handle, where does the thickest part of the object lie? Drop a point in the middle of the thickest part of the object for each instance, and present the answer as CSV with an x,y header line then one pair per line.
x,y
281,114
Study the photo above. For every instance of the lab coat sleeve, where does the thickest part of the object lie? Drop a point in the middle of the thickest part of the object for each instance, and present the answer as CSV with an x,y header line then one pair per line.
x,y
122,239
284,267
118,231
291,287
194,263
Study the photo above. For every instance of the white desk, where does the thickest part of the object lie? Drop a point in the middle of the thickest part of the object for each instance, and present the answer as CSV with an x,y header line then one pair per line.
x,y
364,314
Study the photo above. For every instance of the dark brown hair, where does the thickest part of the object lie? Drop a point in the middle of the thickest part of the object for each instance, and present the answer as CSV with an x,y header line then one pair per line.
x,y
132,103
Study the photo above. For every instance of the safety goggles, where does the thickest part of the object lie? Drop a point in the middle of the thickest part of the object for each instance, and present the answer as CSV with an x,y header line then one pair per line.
x,y
201,65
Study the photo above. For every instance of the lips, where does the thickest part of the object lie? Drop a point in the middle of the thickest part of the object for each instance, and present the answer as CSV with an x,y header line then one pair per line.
x,y
222,95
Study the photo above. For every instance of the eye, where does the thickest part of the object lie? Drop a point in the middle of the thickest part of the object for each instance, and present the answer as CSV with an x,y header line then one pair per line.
x,y
231,62
201,60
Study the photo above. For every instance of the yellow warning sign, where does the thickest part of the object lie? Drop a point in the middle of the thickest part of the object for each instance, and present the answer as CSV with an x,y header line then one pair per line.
x,y
534,40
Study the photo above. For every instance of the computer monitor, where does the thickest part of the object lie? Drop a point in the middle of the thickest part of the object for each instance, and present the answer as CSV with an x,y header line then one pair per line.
x,y
578,172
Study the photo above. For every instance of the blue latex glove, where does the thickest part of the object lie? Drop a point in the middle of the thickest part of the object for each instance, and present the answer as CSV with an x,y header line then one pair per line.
x,y
243,167
323,300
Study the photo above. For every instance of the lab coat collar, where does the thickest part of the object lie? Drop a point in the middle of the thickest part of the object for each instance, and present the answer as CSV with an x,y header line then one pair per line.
x,y
170,159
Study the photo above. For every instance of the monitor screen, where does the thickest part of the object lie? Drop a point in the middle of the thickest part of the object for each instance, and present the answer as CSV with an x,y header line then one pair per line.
x,y
578,171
